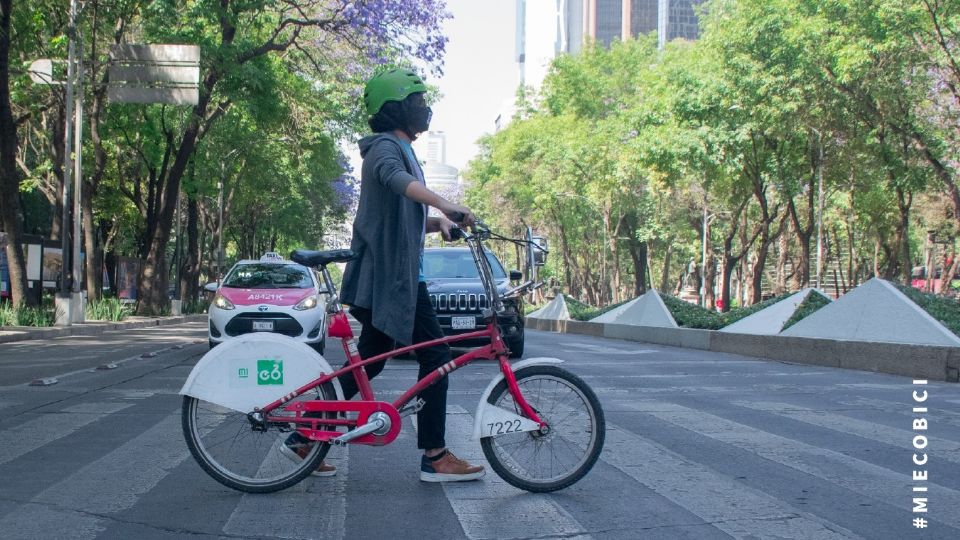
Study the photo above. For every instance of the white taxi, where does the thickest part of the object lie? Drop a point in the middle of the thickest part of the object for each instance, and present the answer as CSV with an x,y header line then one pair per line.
x,y
268,295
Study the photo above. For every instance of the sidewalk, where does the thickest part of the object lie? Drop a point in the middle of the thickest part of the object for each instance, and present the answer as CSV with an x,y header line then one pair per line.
x,y
91,328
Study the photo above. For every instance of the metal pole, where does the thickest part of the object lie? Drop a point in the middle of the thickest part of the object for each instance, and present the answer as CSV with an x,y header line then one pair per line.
x,y
220,233
603,277
77,161
819,210
65,228
176,254
703,267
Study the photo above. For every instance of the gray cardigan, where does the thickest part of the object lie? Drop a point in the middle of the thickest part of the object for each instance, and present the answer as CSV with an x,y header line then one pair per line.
x,y
387,238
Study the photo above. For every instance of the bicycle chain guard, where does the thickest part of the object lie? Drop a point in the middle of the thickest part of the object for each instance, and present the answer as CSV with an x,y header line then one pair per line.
x,y
364,410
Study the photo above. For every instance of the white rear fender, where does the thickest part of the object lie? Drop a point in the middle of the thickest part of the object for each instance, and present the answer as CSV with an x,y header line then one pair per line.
x,y
254,370
491,420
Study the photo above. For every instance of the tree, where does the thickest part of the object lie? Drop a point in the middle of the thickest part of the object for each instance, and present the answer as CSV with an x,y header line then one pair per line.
x,y
9,176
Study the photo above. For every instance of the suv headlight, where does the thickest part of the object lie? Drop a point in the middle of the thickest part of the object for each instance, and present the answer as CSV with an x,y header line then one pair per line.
x,y
221,302
309,302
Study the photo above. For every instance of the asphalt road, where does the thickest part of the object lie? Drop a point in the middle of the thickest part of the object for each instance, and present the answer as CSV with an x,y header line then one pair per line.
x,y
699,445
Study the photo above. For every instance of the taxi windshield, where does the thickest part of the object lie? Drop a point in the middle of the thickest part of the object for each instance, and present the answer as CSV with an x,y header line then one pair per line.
x,y
269,276
444,263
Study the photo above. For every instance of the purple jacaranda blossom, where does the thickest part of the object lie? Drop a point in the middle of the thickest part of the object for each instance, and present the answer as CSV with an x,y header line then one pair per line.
x,y
388,30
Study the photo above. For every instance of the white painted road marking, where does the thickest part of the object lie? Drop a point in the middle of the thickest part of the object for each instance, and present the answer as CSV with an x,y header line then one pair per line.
x,y
480,505
721,501
48,427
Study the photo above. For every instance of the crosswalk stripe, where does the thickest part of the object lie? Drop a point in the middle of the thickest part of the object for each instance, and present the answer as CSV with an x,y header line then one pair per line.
x,y
314,508
850,473
939,447
936,412
480,505
721,501
73,507
48,427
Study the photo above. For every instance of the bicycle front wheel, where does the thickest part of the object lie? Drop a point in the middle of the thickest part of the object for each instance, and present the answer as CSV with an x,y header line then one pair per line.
x,y
228,447
543,462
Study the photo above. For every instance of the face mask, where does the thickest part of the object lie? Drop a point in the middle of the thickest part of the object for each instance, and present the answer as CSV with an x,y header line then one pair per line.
x,y
419,118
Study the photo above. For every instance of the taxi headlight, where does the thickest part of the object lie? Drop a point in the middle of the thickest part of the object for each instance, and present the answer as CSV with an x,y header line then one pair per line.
x,y
221,302
309,302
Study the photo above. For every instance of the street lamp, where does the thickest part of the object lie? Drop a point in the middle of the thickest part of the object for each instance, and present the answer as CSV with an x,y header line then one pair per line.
x,y
819,204
223,176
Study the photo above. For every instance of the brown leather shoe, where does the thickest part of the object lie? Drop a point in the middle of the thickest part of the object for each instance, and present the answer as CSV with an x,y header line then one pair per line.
x,y
448,468
300,451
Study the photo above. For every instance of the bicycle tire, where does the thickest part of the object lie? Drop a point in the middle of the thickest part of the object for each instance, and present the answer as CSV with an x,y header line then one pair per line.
x,y
267,443
505,463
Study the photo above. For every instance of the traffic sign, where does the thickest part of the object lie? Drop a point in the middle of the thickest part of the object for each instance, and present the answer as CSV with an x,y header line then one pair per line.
x,y
154,74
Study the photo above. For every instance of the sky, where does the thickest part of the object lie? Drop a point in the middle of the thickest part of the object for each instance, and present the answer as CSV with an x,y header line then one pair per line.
x,y
480,73
480,76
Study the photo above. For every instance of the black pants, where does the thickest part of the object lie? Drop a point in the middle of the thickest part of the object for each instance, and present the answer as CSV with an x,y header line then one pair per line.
x,y
431,420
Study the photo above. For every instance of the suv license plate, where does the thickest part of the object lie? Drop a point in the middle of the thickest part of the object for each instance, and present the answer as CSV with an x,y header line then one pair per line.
x,y
263,326
463,323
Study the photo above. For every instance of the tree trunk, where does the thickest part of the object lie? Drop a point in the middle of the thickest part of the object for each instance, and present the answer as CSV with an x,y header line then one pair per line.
x,y
904,201
94,262
190,269
10,210
665,274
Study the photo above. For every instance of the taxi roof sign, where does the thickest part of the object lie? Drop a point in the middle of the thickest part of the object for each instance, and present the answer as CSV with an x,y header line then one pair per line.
x,y
271,256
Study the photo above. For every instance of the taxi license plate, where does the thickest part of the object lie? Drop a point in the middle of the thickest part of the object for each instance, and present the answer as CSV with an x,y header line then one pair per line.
x,y
463,323
263,326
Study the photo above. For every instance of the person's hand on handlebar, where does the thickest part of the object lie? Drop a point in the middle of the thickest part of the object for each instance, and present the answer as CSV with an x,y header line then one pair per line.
x,y
448,229
460,214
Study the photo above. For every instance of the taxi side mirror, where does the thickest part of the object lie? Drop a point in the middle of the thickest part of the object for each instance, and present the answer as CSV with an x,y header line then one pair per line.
x,y
210,287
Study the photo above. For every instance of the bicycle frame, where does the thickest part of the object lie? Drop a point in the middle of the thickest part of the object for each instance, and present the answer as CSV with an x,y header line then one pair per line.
x,y
367,405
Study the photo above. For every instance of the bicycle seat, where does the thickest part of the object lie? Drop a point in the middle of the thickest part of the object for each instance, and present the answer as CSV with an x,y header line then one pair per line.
x,y
321,258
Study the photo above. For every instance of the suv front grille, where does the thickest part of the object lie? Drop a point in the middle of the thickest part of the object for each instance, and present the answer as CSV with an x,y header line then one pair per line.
x,y
458,302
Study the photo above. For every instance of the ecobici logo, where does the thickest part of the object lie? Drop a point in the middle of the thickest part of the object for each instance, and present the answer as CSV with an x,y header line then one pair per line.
x,y
269,372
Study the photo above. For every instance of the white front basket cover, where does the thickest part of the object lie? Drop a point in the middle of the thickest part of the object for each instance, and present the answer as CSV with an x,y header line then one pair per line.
x,y
254,370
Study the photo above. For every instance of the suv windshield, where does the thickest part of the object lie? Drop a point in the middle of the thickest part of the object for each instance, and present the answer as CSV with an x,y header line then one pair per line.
x,y
269,276
455,263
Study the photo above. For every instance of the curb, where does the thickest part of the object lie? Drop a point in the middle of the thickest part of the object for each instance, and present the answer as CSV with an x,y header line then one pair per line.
x,y
918,361
10,334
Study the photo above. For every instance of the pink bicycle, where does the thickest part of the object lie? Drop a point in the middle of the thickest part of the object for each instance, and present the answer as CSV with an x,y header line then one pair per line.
x,y
541,427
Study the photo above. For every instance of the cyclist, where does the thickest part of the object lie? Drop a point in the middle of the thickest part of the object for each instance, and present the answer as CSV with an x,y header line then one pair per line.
x,y
384,284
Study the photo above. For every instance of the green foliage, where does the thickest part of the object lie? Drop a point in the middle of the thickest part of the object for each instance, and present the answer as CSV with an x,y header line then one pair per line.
x,y
587,313
811,303
26,316
690,315
108,309
944,309
577,309
628,144
194,307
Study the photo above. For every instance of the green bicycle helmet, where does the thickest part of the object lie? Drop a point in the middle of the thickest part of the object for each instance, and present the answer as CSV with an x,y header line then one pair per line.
x,y
390,85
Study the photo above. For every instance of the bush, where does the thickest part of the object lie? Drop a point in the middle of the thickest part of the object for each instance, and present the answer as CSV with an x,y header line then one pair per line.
x,y
946,310
26,316
690,315
736,314
108,309
193,307
814,301
578,310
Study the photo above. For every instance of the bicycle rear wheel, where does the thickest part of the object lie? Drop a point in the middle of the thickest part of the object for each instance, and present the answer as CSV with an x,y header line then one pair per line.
x,y
543,462
227,447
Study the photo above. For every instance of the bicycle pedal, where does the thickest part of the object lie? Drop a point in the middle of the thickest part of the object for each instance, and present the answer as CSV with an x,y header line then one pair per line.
x,y
411,408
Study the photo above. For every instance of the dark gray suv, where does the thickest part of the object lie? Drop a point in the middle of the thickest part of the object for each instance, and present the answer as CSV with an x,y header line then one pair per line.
x,y
458,296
